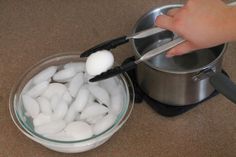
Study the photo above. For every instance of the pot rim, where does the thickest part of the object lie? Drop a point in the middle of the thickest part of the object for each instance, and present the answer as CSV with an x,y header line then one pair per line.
x,y
137,54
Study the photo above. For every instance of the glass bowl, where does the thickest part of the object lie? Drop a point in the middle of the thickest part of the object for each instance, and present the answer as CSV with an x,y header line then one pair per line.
x,y
24,123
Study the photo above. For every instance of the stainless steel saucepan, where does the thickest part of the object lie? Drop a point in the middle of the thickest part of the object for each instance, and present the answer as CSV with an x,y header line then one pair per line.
x,y
181,80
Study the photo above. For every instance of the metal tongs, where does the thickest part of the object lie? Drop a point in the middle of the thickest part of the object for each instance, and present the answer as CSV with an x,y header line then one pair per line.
x,y
124,39
107,45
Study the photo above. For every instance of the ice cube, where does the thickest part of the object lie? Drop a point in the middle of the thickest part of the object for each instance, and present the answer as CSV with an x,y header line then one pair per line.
x,y
87,77
79,130
27,87
75,84
71,114
67,97
105,123
117,101
64,75
93,120
91,99
45,106
31,106
60,110
77,117
44,75
54,89
109,84
78,66
51,127
100,93
61,136
41,119
38,89
81,99
93,111
54,101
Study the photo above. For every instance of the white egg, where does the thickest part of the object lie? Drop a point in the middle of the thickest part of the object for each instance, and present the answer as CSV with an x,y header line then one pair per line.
x,y
99,62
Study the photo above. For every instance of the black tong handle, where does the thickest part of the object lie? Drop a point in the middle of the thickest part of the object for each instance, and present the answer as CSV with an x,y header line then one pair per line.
x,y
107,45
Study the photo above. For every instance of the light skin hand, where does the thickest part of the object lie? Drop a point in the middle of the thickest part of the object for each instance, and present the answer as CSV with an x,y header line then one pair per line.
x,y
201,23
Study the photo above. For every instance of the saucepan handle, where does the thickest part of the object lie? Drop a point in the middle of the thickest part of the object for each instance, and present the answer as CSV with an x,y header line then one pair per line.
x,y
224,85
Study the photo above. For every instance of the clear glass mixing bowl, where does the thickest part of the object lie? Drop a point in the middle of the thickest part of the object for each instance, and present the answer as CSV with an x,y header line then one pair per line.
x,y
24,123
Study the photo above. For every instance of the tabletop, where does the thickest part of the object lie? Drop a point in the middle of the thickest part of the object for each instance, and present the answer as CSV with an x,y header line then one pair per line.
x,y
33,30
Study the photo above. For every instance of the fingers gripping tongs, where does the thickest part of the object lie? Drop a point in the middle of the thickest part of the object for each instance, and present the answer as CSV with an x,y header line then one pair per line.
x,y
111,44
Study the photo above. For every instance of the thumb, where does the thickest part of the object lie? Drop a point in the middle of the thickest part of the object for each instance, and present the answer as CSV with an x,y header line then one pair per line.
x,y
181,49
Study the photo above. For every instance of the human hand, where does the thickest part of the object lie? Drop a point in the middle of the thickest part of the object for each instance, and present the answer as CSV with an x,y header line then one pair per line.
x,y
201,23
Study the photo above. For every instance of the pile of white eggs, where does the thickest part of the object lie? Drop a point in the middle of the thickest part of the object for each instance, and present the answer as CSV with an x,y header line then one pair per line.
x,y
64,105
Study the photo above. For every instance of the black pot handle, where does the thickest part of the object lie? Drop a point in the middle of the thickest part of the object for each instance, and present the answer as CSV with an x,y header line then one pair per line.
x,y
224,85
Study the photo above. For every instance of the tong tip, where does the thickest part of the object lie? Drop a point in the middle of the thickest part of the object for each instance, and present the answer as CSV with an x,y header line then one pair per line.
x,y
105,75
85,54
94,79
